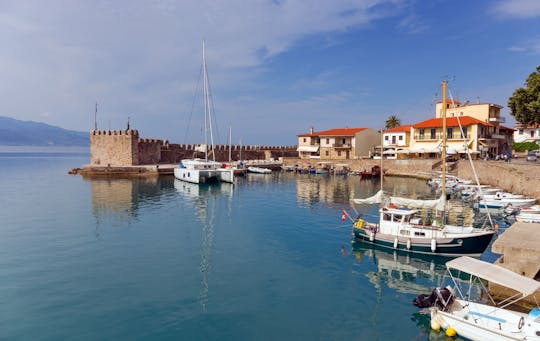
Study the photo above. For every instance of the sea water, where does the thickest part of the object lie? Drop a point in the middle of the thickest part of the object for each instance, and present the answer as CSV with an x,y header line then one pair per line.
x,y
267,258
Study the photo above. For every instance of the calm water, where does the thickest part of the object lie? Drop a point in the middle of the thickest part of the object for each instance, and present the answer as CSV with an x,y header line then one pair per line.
x,y
267,259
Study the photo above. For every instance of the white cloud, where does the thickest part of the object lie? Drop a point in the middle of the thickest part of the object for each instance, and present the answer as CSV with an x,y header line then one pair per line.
x,y
141,58
530,47
518,8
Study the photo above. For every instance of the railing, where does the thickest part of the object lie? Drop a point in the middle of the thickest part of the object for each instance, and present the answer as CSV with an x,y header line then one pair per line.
x,y
345,145
455,136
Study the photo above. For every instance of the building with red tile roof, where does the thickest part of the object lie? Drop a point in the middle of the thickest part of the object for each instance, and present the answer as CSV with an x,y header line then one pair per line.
x,y
337,143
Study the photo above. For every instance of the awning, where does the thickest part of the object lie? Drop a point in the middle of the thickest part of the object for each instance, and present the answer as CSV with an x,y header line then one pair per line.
x,y
426,149
495,274
309,149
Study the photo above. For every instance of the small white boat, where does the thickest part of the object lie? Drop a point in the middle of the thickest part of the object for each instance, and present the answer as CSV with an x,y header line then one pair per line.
x,y
502,195
477,321
259,170
528,217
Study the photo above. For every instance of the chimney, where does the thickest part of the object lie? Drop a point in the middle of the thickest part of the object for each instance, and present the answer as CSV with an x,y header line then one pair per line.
x,y
311,130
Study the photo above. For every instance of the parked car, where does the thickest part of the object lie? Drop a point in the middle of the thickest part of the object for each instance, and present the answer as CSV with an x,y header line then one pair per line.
x,y
532,156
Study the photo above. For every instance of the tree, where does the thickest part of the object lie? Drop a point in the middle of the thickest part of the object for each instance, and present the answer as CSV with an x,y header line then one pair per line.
x,y
392,122
525,102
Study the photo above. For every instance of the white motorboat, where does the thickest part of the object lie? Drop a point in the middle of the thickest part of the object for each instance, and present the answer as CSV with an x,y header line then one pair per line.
x,y
479,321
259,170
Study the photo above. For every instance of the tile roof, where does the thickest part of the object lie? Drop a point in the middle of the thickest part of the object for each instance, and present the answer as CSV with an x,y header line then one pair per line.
x,y
335,132
450,122
405,128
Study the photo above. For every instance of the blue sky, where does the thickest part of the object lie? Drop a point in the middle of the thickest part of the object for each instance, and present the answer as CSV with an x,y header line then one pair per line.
x,y
276,67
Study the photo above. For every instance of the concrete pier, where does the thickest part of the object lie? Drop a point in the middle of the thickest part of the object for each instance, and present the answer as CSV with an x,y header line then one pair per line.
x,y
520,249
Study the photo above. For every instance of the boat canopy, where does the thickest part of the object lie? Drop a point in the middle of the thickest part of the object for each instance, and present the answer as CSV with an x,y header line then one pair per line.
x,y
495,274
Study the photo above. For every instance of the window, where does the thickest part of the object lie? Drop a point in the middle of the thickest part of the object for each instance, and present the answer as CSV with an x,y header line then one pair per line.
x,y
339,153
521,132
449,133
464,135
386,138
433,133
343,141
326,153
327,141
305,139
422,234
421,133
401,137
386,216
532,133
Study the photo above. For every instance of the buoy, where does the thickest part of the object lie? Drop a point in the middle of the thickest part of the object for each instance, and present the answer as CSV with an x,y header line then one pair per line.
x,y
435,325
451,332
408,244
392,206
433,245
371,236
395,243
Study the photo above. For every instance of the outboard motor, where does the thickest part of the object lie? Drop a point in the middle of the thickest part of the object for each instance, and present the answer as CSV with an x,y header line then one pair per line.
x,y
442,297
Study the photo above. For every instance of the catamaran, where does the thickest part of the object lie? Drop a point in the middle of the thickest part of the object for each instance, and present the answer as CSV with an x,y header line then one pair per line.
x,y
402,228
204,170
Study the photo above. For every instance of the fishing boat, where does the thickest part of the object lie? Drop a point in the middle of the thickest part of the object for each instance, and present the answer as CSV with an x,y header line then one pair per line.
x,y
460,314
402,228
259,170
205,170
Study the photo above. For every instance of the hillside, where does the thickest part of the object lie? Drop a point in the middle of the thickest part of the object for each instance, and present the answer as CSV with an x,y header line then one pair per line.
x,y
27,133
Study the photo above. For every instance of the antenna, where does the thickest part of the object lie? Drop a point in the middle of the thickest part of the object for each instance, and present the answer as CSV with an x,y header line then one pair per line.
x,y
95,118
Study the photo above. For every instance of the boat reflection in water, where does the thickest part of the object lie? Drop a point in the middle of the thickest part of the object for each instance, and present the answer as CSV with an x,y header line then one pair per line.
x,y
405,273
401,271
204,199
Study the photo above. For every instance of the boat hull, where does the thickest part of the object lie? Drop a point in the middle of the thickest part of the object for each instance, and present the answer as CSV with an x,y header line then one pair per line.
x,y
482,322
198,176
471,244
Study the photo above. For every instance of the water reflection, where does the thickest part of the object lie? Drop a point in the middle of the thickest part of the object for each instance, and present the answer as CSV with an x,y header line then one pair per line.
x,y
121,199
203,197
401,271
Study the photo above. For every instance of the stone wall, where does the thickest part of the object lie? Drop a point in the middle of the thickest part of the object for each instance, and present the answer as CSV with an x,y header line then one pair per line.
x,y
511,177
125,148
420,168
114,147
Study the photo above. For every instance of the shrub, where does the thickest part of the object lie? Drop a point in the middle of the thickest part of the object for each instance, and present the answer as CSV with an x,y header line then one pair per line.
x,y
525,146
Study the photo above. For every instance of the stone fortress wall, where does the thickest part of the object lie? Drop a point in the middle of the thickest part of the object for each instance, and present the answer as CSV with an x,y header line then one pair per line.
x,y
126,148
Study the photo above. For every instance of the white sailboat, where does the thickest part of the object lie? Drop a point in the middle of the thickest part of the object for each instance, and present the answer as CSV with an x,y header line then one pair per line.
x,y
402,228
204,170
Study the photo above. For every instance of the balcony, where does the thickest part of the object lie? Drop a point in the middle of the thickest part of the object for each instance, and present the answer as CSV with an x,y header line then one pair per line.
x,y
343,146
497,119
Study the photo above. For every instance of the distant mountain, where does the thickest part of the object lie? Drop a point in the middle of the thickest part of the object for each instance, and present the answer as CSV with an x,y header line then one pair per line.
x,y
27,133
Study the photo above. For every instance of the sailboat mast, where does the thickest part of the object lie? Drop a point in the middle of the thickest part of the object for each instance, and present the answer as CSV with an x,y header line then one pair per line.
x,y
443,152
230,136
382,155
205,102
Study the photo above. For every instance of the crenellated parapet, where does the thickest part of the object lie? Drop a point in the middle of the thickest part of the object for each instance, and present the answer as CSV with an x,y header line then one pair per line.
x,y
129,132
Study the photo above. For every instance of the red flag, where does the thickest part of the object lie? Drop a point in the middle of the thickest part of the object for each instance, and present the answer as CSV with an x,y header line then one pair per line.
x,y
343,216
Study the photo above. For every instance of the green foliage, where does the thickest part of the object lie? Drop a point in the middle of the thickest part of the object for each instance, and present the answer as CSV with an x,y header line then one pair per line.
x,y
524,103
392,122
525,146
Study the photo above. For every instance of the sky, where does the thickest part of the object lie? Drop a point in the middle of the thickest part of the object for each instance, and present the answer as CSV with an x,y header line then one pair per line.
x,y
276,67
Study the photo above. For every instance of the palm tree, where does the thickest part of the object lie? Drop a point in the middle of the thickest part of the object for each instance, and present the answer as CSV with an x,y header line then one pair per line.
x,y
392,122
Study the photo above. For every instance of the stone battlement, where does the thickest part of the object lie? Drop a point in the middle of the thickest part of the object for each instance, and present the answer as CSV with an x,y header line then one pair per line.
x,y
125,148
129,132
